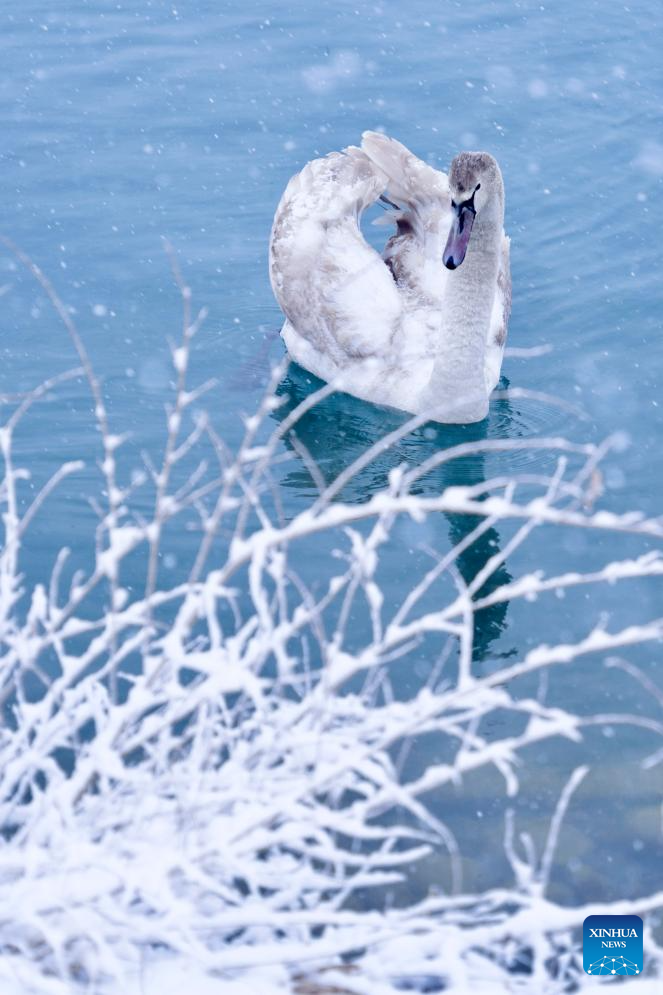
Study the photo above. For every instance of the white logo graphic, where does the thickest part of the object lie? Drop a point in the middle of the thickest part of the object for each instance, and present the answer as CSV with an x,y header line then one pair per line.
x,y
613,965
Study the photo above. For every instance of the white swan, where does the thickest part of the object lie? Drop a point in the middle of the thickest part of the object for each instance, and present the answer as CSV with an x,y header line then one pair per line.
x,y
412,329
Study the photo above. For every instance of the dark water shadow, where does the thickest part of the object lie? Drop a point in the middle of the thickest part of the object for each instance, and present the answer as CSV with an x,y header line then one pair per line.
x,y
339,429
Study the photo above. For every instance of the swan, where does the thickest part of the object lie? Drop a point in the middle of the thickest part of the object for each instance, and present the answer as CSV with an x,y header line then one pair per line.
x,y
421,328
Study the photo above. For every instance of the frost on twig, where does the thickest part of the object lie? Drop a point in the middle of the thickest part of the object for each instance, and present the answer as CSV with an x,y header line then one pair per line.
x,y
225,772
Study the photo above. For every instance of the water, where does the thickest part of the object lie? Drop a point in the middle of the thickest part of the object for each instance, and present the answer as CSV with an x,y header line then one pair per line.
x,y
123,124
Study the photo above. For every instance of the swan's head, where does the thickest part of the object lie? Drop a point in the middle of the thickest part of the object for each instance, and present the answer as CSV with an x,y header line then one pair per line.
x,y
475,185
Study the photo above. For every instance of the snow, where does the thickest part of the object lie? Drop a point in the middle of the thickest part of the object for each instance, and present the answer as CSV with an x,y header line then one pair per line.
x,y
650,158
324,77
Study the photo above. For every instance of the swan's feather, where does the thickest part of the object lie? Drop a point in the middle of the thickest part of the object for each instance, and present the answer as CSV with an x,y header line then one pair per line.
x,y
324,274
501,313
411,182
422,193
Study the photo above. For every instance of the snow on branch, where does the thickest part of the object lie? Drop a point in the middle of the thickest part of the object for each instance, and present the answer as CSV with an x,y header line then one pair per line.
x,y
213,777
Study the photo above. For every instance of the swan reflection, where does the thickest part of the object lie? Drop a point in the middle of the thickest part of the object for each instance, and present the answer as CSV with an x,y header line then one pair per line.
x,y
340,428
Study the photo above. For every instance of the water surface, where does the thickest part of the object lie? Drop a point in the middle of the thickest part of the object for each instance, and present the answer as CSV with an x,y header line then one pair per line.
x,y
126,123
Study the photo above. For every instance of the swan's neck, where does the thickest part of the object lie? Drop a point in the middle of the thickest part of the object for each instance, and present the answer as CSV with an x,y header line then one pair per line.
x,y
459,371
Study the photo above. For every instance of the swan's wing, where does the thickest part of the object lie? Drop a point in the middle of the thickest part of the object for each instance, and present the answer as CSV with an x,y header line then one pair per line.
x,y
500,316
423,216
412,183
340,300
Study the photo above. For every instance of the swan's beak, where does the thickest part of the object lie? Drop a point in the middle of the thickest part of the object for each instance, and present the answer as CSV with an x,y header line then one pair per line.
x,y
459,236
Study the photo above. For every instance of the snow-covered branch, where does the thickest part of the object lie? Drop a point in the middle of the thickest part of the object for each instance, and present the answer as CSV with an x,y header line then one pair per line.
x,y
215,774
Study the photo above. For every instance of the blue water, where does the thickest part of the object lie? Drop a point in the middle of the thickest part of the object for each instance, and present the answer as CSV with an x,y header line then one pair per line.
x,y
126,123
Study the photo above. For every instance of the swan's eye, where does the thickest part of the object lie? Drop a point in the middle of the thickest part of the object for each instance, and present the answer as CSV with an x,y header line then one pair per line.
x,y
454,204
